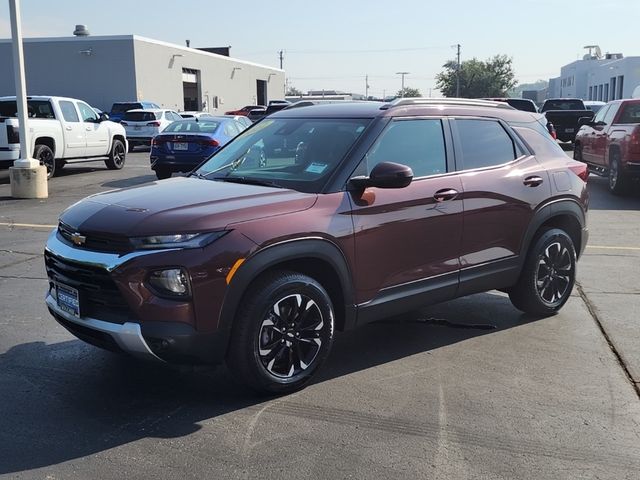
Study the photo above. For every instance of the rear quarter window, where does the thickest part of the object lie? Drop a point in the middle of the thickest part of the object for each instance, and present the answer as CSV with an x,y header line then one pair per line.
x,y
630,113
142,116
484,143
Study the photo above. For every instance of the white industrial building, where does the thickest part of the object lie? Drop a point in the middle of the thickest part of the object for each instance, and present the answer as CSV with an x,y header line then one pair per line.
x,y
102,70
598,77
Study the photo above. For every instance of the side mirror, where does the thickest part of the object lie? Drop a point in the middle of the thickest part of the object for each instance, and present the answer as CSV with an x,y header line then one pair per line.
x,y
103,116
385,175
585,121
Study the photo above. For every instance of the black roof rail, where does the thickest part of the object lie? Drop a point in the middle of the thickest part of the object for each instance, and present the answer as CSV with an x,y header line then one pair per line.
x,y
472,102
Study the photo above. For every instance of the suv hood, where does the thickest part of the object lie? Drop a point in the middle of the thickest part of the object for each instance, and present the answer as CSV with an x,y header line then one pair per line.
x,y
181,205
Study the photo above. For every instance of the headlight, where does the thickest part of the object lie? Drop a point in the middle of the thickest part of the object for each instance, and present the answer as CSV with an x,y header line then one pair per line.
x,y
172,281
180,240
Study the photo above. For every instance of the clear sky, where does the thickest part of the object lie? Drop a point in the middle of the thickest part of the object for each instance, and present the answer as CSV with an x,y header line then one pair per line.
x,y
333,44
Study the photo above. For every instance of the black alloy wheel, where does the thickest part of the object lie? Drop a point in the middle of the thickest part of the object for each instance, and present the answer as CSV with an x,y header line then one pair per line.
x,y
618,181
117,156
548,274
45,156
554,273
290,336
282,332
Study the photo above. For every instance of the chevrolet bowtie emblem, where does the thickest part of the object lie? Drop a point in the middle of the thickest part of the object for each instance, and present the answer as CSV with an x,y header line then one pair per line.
x,y
78,239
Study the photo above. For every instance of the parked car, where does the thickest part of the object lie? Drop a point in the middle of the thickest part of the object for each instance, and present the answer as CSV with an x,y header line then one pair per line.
x,y
185,144
383,209
118,109
196,114
259,114
245,110
594,105
518,103
142,125
564,114
244,121
610,143
61,130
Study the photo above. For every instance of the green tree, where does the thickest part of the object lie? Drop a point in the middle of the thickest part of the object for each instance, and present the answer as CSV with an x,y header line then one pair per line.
x,y
491,78
293,91
408,92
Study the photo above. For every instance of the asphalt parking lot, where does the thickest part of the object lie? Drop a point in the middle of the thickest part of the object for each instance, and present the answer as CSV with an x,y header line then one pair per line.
x,y
467,389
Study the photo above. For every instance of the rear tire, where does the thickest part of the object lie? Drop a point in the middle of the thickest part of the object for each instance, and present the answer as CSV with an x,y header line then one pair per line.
x,y
282,333
45,156
163,173
117,156
618,180
548,275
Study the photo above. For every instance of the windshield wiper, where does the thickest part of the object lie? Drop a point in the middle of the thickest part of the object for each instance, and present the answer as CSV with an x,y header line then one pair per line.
x,y
248,181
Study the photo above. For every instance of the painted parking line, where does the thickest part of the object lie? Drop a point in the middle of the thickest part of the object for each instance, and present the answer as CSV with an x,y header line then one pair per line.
x,y
608,247
26,225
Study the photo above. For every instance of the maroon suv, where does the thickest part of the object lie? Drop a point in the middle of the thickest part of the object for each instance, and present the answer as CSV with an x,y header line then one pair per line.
x,y
320,218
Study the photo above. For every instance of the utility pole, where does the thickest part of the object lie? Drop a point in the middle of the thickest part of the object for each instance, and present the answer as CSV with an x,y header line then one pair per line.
x,y
27,177
366,87
403,74
281,55
458,73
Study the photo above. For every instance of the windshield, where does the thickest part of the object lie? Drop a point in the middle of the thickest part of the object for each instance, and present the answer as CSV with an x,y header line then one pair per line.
x,y
563,105
296,153
192,126
142,116
123,107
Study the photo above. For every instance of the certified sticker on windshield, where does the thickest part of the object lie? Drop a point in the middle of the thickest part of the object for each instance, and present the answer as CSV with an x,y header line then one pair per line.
x,y
316,168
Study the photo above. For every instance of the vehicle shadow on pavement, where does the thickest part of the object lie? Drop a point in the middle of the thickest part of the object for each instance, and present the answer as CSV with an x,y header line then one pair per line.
x,y
69,400
130,182
602,199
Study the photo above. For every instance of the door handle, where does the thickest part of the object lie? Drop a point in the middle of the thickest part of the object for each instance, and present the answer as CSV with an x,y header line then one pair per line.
x,y
533,181
88,129
445,194
68,127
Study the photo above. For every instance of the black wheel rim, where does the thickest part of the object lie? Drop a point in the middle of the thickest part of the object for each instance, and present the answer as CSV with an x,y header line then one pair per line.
x,y
118,155
554,274
46,158
613,174
290,336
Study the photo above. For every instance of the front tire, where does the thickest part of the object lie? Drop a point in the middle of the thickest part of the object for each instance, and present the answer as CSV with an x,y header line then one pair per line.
x,y
45,156
282,334
618,180
548,275
117,156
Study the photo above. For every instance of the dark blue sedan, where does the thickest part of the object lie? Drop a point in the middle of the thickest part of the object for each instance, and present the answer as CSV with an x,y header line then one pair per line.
x,y
184,144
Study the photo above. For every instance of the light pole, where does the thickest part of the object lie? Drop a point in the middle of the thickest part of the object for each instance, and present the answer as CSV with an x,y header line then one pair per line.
x,y
403,74
28,178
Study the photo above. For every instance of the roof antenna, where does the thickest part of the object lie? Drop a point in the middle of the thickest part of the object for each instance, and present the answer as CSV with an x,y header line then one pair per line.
x,y
188,42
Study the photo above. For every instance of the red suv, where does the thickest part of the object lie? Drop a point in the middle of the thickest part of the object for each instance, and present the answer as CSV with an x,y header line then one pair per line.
x,y
317,219
610,143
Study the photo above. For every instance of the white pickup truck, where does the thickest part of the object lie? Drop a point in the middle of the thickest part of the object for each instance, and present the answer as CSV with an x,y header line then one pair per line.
x,y
62,130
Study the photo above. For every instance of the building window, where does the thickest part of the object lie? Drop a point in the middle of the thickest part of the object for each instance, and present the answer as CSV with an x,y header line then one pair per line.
x,y
606,93
600,92
590,93
620,85
612,82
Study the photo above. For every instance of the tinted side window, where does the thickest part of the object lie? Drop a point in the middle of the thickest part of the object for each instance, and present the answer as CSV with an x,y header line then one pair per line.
x,y
630,114
87,113
418,144
601,113
68,111
230,129
484,143
608,118
168,116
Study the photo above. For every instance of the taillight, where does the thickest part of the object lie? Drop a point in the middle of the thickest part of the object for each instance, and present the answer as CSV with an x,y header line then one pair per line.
x,y
124,123
580,169
158,140
552,130
13,134
634,141
153,124
210,142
